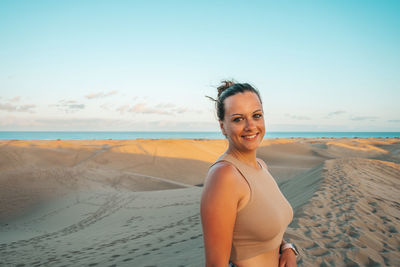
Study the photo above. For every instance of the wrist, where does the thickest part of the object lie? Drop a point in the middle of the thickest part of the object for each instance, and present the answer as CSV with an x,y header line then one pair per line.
x,y
290,246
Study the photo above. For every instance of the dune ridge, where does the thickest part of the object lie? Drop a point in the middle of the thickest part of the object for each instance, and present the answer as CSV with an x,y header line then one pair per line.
x,y
353,218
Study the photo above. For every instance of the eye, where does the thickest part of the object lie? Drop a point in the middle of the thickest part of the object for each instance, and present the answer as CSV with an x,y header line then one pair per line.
x,y
237,119
258,115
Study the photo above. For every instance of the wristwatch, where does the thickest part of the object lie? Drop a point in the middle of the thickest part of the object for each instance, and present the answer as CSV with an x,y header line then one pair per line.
x,y
291,246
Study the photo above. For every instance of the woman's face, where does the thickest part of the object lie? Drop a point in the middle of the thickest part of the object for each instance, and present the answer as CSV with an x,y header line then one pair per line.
x,y
243,124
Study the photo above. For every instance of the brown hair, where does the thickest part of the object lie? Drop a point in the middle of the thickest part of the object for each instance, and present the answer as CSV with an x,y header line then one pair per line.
x,y
227,89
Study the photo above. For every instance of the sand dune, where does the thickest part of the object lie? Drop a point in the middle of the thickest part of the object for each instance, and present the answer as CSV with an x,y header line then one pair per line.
x,y
353,218
108,227
135,203
289,159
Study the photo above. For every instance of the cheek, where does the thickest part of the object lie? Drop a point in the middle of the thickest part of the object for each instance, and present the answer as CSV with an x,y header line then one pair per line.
x,y
231,130
235,128
261,123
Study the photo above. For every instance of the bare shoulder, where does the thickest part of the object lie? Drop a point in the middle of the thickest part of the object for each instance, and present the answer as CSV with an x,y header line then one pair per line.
x,y
224,174
221,194
224,181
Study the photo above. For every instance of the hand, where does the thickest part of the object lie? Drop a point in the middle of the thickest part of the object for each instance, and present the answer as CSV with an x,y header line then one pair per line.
x,y
288,258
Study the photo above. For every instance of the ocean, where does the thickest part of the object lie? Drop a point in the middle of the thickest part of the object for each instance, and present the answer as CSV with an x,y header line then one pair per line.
x,y
50,135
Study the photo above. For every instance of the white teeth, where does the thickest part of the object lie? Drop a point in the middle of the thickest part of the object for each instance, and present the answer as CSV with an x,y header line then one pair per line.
x,y
250,136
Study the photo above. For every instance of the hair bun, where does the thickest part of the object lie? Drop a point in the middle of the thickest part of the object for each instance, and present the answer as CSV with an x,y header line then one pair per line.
x,y
225,85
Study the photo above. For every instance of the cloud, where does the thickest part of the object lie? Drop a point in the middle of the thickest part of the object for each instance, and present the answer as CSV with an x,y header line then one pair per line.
x,y
15,99
122,109
180,110
100,95
67,102
106,106
335,113
8,107
165,105
363,118
69,106
14,108
76,106
162,109
26,108
144,109
296,117
11,107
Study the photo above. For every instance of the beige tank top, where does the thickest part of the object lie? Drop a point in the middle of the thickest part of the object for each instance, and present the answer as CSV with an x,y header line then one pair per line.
x,y
261,223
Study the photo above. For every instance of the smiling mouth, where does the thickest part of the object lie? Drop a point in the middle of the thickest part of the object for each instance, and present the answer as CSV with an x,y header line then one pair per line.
x,y
250,137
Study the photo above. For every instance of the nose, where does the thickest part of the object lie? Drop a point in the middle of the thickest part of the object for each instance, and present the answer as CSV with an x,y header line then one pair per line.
x,y
250,124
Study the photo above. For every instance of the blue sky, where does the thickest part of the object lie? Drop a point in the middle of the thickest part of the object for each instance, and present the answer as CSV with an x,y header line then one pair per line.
x,y
147,65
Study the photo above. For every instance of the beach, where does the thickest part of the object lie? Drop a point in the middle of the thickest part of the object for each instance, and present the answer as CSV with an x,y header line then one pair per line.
x,y
136,202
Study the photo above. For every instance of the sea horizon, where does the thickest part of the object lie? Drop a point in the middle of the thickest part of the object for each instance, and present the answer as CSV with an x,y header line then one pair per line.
x,y
120,135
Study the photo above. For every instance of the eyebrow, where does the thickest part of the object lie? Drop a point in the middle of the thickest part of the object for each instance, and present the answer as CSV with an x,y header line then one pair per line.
x,y
242,114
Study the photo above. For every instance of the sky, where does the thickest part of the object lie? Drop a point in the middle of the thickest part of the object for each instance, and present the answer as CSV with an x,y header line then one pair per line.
x,y
148,65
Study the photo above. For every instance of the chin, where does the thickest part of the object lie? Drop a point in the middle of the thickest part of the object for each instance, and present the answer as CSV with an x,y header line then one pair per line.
x,y
252,147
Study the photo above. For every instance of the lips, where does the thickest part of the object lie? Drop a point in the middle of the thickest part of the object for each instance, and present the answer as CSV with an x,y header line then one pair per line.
x,y
250,137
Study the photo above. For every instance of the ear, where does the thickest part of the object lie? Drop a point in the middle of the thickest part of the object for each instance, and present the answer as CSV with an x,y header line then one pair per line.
x,y
221,125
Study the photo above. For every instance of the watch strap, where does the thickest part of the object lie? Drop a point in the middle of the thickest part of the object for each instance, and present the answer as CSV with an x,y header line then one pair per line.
x,y
291,246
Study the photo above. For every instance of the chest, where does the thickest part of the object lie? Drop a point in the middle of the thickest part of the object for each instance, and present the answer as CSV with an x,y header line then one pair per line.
x,y
267,212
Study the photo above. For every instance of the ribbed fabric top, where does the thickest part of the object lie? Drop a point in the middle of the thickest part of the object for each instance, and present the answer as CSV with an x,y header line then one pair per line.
x,y
260,225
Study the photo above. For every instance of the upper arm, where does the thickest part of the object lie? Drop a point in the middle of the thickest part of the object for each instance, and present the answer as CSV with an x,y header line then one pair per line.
x,y
221,194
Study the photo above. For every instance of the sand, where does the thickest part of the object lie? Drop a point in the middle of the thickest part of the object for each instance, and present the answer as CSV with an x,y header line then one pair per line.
x,y
136,202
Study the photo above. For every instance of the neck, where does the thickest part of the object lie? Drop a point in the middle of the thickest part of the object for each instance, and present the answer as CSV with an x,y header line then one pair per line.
x,y
248,157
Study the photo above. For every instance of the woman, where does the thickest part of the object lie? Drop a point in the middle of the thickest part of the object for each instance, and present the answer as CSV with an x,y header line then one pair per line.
x,y
243,212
